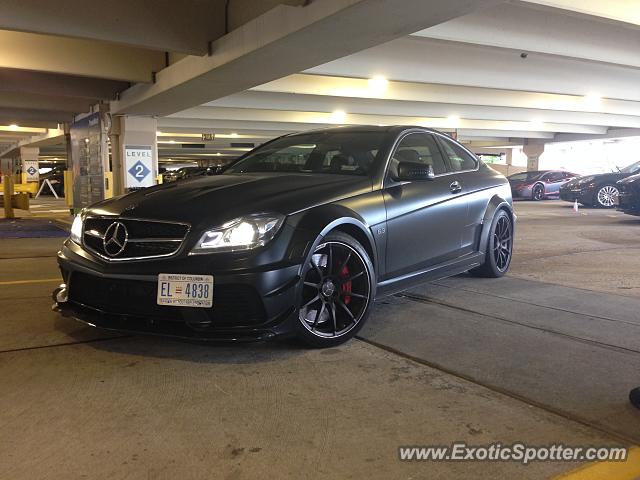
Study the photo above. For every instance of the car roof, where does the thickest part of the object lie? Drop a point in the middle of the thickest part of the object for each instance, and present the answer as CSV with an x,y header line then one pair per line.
x,y
367,128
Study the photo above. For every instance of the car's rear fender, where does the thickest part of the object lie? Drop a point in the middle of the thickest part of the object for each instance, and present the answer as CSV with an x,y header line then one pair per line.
x,y
496,203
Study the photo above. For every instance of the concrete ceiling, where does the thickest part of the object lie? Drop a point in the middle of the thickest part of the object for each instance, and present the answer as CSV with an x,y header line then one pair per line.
x,y
502,75
499,72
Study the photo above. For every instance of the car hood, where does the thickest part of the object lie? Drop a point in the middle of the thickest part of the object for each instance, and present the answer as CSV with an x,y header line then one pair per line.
x,y
217,199
632,180
599,177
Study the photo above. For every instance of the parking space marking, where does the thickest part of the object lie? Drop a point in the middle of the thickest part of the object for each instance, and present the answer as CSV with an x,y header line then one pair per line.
x,y
628,470
26,282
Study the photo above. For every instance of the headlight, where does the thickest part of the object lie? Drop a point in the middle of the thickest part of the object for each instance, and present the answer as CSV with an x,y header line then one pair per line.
x,y
243,233
76,230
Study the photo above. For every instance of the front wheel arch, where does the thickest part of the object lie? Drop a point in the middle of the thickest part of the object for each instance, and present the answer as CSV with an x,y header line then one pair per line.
x,y
596,200
533,191
320,222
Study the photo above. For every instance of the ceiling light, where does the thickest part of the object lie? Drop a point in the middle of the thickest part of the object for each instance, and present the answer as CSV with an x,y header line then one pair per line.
x,y
13,126
172,141
234,135
378,83
453,120
338,116
218,154
158,133
592,98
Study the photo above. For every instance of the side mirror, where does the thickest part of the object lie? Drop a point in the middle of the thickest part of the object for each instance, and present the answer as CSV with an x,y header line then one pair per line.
x,y
409,171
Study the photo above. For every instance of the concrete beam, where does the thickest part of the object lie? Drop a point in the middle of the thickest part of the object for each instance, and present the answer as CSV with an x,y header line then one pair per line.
x,y
371,106
281,42
619,10
418,59
87,58
612,133
329,118
50,137
44,102
529,28
33,117
41,83
350,87
160,25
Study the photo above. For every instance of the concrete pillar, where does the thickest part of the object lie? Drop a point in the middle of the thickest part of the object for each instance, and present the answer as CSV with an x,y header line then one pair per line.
x,y
509,157
533,152
134,153
28,157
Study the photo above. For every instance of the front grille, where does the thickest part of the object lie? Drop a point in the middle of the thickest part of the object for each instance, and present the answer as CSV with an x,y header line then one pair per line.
x,y
233,305
144,238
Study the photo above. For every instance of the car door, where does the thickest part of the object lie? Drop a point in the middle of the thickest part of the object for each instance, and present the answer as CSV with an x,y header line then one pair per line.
x,y
424,217
463,168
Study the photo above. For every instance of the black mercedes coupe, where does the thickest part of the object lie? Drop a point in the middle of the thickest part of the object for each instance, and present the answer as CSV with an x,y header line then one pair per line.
x,y
297,237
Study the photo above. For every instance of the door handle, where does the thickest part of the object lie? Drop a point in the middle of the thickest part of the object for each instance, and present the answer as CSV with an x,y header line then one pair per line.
x,y
455,187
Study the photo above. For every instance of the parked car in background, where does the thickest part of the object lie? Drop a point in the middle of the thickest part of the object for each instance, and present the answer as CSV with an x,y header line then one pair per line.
x,y
629,195
56,179
597,190
189,172
299,236
539,185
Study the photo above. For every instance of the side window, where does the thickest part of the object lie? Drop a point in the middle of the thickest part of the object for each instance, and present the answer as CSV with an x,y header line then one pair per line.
x,y
459,159
556,177
419,148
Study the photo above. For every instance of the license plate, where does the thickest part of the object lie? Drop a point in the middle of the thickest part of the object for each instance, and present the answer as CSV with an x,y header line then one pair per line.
x,y
181,290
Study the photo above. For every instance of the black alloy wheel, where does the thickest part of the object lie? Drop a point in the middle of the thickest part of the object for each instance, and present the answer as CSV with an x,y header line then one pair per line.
x,y
499,247
538,192
337,291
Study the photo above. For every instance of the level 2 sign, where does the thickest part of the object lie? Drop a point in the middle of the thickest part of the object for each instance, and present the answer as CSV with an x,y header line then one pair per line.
x,y
30,167
139,166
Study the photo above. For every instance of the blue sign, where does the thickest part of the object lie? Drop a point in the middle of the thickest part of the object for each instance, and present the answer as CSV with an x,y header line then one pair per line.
x,y
139,171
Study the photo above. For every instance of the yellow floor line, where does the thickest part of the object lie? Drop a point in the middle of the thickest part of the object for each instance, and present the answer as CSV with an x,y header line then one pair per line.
x,y
628,470
24,282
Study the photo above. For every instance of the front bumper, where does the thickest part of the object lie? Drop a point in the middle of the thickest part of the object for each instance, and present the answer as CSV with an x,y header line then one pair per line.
x,y
249,303
629,201
583,195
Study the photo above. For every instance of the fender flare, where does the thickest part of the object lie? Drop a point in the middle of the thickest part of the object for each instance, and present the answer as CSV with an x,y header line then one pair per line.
x,y
316,223
544,190
496,203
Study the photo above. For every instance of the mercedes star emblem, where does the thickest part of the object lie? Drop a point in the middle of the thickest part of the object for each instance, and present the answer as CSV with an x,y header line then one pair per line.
x,y
115,239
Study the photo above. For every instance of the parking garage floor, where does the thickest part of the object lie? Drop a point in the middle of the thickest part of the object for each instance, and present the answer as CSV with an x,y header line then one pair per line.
x,y
545,355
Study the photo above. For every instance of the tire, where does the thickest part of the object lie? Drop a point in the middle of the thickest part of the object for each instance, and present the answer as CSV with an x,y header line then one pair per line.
x,y
634,397
336,292
605,196
500,243
537,193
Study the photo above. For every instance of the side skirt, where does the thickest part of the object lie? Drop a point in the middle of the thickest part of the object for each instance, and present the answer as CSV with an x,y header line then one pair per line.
x,y
437,272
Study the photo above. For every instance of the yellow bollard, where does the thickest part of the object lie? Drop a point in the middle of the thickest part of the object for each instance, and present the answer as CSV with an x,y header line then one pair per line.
x,y
7,184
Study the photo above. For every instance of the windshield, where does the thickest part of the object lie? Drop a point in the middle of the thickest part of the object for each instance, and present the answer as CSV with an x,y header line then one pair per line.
x,y
518,177
334,152
633,168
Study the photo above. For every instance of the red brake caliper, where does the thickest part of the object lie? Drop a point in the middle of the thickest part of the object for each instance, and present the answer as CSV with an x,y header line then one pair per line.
x,y
346,287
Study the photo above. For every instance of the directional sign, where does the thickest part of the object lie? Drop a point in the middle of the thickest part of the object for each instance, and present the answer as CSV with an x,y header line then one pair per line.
x,y
139,166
